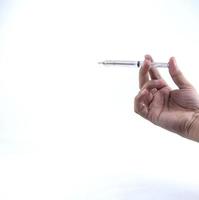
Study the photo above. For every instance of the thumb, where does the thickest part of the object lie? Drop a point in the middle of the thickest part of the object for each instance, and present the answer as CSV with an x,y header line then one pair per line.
x,y
177,75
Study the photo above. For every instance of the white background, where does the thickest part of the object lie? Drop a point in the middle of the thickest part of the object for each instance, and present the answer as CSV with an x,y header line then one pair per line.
x,y
67,126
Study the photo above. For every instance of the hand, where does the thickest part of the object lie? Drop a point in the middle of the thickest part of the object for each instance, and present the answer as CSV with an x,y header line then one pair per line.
x,y
174,110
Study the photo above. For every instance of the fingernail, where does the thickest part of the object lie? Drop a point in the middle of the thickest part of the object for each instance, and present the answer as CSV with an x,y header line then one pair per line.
x,y
148,57
143,110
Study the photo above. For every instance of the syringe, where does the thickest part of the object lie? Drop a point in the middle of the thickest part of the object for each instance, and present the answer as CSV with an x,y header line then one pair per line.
x,y
126,63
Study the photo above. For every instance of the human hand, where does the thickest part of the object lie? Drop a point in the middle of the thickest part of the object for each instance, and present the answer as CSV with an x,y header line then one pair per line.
x,y
174,110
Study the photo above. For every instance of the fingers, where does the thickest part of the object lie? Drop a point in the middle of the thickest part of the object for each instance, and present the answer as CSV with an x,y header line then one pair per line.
x,y
145,70
154,73
154,85
141,103
143,73
177,75
148,57
145,96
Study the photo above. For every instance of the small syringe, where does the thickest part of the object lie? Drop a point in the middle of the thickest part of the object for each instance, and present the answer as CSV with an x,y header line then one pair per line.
x,y
126,63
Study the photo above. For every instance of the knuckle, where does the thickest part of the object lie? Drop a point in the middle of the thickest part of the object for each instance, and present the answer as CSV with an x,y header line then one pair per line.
x,y
136,98
149,84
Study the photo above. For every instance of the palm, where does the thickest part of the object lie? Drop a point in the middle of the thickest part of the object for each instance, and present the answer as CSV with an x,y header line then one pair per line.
x,y
167,108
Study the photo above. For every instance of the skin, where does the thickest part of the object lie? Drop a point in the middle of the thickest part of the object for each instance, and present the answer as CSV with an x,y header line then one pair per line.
x,y
174,110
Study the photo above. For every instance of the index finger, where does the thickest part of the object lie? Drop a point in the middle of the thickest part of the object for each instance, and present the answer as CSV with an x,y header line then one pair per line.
x,y
143,73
